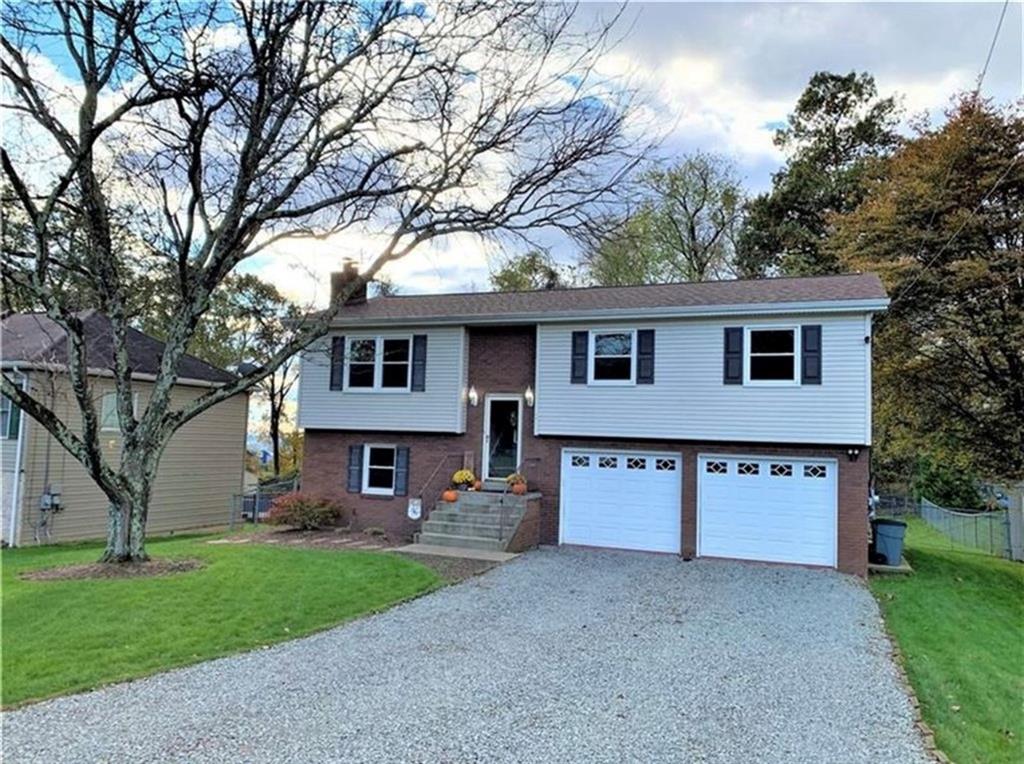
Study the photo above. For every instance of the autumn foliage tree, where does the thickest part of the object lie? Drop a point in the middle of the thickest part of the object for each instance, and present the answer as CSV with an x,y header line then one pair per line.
x,y
943,223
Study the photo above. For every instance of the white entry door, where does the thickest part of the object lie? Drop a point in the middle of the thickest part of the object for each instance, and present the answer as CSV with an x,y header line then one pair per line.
x,y
776,509
621,499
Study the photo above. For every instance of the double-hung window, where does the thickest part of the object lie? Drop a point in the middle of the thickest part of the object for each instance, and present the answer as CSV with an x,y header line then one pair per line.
x,y
10,418
109,419
772,354
378,363
613,357
379,470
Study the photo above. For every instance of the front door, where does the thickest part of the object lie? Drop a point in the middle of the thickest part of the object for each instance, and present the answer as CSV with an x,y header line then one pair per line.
x,y
501,436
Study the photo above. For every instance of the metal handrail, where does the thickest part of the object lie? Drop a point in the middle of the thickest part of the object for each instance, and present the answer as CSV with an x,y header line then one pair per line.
x,y
426,483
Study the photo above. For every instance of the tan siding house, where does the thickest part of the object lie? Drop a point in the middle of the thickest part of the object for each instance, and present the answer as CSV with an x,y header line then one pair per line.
x,y
201,468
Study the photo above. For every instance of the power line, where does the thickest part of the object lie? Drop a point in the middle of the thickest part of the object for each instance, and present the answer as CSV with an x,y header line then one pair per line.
x,y
992,47
949,171
906,288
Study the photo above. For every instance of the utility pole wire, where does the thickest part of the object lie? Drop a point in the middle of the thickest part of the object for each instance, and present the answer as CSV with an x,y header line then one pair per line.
x,y
992,47
981,79
906,290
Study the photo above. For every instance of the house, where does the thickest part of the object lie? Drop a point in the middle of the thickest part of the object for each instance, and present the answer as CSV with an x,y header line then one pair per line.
x,y
201,469
723,419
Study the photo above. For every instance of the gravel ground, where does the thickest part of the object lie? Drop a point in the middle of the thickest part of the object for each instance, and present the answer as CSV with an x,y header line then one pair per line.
x,y
559,656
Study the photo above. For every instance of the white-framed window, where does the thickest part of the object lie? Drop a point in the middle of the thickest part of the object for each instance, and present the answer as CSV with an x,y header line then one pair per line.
x,y
770,355
382,364
10,419
613,357
109,420
379,469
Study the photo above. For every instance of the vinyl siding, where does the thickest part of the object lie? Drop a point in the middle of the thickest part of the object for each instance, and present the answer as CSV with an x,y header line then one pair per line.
x,y
688,399
201,468
439,408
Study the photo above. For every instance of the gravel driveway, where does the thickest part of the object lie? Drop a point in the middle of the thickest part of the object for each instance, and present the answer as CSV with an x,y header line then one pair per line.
x,y
559,656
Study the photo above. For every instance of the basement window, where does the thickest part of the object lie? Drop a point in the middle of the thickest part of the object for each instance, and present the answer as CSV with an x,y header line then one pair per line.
x,y
379,470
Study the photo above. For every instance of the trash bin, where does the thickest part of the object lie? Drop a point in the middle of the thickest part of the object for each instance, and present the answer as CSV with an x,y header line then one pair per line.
x,y
888,535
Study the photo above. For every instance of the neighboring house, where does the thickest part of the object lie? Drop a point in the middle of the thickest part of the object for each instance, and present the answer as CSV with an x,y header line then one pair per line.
x,y
721,419
201,468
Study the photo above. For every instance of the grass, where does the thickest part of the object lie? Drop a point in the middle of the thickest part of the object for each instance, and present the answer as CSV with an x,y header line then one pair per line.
x,y
67,636
959,622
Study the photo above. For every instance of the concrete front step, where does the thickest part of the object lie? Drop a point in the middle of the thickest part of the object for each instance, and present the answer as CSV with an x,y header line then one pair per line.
x,y
493,499
466,542
480,530
484,517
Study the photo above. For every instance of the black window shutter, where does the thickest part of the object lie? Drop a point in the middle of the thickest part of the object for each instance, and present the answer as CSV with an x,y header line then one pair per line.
x,y
645,357
355,468
337,362
419,363
401,471
733,371
580,343
810,351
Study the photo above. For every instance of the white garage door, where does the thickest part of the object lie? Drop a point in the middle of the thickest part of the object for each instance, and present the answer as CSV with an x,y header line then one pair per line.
x,y
775,509
621,499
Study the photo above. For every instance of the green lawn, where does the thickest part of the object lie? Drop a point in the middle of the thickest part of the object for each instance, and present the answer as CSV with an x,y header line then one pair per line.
x,y
66,636
959,621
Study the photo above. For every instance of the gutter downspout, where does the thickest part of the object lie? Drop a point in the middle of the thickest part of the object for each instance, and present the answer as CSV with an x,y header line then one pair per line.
x,y
17,489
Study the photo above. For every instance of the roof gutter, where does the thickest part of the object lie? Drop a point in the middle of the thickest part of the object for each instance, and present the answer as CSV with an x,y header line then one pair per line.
x,y
100,372
873,305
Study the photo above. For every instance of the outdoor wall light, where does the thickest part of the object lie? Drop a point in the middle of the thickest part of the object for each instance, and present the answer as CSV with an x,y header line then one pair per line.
x,y
528,396
473,396
852,454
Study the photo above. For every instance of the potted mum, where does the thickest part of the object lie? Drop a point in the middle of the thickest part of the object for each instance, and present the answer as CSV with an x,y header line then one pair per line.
x,y
517,483
463,479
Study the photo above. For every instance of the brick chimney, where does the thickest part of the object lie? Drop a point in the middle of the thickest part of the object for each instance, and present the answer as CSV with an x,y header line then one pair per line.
x,y
341,279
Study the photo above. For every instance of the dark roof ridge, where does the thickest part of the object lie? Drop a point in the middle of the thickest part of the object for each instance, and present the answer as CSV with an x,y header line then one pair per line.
x,y
593,287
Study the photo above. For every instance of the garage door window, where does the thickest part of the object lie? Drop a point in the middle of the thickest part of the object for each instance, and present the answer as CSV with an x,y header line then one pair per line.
x,y
815,471
579,460
608,462
782,470
665,465
636,463
716,468
748,468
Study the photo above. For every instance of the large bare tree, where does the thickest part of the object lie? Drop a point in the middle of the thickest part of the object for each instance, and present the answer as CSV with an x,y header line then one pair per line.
x,y
202,133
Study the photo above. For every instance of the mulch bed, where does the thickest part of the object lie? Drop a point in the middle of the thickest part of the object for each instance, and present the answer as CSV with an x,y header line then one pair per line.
x,y
328,538
98,570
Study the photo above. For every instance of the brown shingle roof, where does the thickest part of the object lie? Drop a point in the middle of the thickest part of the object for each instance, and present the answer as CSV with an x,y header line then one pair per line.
x,y
692,295
35,338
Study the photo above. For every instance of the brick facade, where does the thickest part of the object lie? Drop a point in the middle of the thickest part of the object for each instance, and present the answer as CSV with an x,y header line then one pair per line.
x,y
502,361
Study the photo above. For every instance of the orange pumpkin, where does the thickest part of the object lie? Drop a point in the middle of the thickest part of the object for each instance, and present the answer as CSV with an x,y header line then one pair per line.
x,y
450,495
477,485
519,488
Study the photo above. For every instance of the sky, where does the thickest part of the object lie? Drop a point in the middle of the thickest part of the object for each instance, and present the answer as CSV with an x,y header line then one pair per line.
x,y
721,77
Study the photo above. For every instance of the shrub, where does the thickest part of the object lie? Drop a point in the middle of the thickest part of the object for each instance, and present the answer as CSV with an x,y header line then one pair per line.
x,y
303,512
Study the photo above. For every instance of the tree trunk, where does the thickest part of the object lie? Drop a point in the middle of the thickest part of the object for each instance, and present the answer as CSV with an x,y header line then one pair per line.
x,y
275,437
126,518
